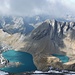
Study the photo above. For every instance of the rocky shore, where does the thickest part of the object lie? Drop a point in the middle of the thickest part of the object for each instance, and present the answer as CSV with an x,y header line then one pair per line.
x,y
3,61
6,63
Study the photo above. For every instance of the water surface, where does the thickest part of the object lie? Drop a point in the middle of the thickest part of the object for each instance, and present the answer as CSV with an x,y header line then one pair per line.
x,y
63,58
16,56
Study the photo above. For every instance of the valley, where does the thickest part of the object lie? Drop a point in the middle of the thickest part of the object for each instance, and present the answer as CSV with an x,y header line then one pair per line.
x,y
49,37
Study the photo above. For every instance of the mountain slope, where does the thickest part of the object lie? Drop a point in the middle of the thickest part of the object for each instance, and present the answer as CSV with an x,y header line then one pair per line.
x,y
51,37
8,41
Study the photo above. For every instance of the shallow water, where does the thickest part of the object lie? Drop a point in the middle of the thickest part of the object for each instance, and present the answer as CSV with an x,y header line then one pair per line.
x,y
16,56
63,58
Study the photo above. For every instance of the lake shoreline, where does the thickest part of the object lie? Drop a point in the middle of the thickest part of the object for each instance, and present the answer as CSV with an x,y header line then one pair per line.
x,y
16,57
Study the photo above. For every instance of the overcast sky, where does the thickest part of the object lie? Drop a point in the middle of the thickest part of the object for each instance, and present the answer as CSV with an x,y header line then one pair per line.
x,y
56,8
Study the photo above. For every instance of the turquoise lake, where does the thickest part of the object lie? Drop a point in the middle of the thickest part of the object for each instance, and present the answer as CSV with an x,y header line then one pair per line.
x,y
63,58
16,56
26,59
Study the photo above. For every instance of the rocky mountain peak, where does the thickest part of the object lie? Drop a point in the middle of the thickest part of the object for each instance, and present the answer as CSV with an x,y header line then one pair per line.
x,y
52,37
43,30
53,28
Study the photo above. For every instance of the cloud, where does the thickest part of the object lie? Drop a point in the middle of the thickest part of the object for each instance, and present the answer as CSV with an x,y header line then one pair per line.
x,y
28,7
55,8
4,6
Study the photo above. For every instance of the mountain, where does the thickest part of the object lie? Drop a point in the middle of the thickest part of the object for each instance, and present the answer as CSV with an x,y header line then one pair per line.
x,y
49,37
69,18
11,25
36,19
52,37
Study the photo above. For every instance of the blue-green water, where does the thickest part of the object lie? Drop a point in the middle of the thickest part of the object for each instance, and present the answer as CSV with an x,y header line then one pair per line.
x,y
63,58
16,56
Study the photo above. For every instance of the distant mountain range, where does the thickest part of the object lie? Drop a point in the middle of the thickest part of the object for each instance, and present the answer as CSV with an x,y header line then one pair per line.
x,y
13,25
24,25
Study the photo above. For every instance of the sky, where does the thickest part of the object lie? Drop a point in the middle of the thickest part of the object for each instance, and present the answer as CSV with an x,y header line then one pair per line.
x,y
56,8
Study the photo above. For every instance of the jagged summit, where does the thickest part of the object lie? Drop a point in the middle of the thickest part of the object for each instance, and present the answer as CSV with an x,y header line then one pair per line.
x,y
58,29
